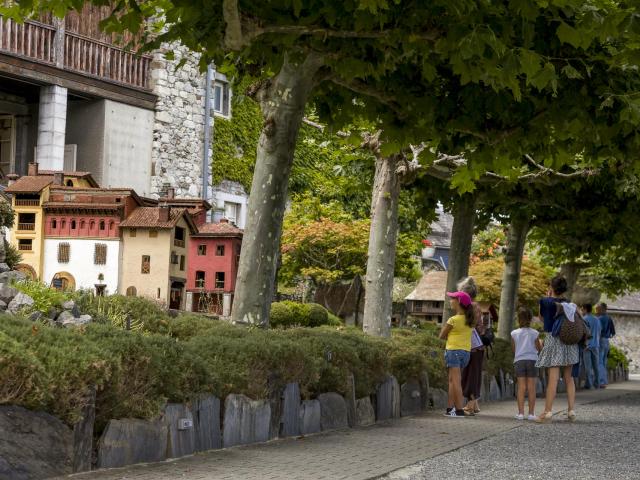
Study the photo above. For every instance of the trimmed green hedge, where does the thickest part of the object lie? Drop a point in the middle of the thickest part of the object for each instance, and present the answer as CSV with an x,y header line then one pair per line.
x,y
293,314
135,372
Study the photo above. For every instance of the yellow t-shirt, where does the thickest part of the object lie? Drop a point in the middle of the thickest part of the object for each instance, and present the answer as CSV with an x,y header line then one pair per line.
x,y
459,337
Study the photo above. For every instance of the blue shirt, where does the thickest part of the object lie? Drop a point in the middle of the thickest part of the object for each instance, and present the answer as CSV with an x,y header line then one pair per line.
x,y
548,311
607,328
594,325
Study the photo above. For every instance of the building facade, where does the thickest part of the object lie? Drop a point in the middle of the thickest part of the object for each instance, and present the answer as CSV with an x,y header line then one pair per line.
x,y
214,253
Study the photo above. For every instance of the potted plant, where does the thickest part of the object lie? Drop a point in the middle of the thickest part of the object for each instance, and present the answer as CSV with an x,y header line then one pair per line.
x,y
428,250
100,286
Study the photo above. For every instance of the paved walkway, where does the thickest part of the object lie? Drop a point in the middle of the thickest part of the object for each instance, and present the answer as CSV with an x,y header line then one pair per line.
x,y
350,454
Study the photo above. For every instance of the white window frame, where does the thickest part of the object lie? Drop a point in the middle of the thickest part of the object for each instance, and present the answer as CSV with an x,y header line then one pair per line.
x,y
236,206
221,106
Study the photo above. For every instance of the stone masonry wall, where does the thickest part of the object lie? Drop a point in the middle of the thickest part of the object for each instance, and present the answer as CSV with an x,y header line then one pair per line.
x,y
628,338
178,133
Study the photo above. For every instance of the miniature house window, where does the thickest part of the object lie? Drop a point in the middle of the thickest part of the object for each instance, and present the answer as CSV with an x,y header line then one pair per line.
x,y
54,223
219,280
146,264
64,251
112,226
153,233
182,262
92,225
100,254
131,292
219,250
200,279
25,244
63,224
102,226
221,98
73,224
132,232
69,183
202,250
82,224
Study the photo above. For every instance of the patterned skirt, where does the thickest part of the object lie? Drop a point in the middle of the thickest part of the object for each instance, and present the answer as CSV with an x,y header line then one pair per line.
x,y
557,354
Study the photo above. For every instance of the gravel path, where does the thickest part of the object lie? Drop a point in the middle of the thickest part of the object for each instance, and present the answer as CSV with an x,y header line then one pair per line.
x,y
601,444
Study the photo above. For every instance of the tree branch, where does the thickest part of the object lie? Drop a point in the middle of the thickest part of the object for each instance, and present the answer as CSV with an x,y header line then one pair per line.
x,y
366,90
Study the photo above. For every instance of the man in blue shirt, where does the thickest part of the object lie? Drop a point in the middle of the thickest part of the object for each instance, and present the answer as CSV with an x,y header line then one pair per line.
x,y
607,330
591,354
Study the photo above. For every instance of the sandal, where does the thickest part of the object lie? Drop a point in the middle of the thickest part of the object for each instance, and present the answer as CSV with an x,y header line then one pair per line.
x,y
468,412
571,415
544,417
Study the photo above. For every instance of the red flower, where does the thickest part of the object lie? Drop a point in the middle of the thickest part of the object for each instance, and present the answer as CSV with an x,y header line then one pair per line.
x,y
427,243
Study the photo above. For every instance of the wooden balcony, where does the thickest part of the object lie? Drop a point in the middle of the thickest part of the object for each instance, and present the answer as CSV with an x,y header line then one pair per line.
x,y
25,248
26,226
21,202
71,51
178,243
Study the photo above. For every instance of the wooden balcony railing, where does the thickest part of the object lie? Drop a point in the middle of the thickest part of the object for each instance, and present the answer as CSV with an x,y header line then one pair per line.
x,y
20,202
36,41
178,243
26,226
25,248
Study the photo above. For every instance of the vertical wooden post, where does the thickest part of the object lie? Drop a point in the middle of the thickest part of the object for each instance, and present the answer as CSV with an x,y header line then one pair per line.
x,y
58,42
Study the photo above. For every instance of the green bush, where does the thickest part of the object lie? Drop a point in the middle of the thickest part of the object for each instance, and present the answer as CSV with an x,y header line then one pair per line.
x,y
500,357
13,256
289,314
616,358
44,297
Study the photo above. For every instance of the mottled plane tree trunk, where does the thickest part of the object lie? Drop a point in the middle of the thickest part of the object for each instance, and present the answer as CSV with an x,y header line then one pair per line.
x,y
516,238
464,217
282,100
391,173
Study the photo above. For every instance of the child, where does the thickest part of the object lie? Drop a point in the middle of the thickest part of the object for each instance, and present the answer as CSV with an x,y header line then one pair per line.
x,y
526,345
457,332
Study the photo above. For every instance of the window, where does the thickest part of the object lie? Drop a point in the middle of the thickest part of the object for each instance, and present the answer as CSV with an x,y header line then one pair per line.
x,y
112,226
25,244
219,250
64,252
54,224
100,254
73,224
200,279
82,224
131,292
63,224
174,258
153,233
179,237
102,225
182,261
232,211
219,280
158,293
92,225
221,98
146,264
202,250
69,183
26,221
132,232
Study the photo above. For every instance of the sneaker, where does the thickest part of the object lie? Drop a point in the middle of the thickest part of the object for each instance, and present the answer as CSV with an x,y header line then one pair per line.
x,y
531,418
453,414
519,416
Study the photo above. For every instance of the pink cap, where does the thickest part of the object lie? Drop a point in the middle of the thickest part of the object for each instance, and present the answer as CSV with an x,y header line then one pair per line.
x,y
463,298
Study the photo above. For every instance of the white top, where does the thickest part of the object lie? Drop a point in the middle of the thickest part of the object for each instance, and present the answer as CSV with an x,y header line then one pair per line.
x,y
525,340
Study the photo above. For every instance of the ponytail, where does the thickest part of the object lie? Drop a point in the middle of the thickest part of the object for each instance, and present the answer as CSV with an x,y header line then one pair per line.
x,y
469,316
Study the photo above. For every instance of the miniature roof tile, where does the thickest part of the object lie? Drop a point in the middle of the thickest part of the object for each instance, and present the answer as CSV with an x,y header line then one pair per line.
x,y
431,287
218,230
148,217
35,183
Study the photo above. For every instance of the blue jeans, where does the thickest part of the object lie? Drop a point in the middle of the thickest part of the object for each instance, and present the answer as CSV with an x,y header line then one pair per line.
x,y
575,370
604,353
592,367
456,358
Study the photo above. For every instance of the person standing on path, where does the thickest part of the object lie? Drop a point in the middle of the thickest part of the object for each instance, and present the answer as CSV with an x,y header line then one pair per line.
x,y
607,330
525,345
472,373
555,355
457,333
591,354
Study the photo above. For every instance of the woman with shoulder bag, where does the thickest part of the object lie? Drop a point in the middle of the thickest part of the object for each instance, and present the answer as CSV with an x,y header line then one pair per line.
x,y
472,373
555,354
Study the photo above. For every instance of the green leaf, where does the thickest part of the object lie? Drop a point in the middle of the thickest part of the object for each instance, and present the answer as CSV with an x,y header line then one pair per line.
x,y
297,6
530,63
545,77
571,72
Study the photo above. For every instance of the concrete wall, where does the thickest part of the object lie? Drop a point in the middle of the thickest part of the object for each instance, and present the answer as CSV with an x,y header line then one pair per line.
x,y
128,139
85,128
80,265
228,191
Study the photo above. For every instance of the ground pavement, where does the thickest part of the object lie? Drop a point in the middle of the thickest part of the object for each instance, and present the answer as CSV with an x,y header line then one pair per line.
x,y
433,447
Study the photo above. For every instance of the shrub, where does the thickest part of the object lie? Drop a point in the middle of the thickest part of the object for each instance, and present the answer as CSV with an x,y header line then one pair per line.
x,y
288,314
44,297
500,357
13,256
616,358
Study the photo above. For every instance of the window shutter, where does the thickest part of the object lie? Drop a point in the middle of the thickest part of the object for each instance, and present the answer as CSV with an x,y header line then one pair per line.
x,y
100,254
63,252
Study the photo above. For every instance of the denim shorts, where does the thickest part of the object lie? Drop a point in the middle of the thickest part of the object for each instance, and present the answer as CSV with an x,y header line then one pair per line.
x,y
456,358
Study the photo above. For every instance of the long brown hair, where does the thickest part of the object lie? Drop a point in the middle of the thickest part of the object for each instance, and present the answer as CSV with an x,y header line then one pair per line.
x,y
469,315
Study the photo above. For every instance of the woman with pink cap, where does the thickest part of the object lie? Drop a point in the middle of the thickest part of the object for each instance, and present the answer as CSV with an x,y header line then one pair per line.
x,y
457,332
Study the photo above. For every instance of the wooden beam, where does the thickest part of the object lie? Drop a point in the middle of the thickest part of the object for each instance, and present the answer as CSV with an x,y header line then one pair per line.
x,y
41,74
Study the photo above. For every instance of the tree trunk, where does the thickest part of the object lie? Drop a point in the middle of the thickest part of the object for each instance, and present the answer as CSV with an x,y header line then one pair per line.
x,y
382,248
516,237
570,271
464,214
282,101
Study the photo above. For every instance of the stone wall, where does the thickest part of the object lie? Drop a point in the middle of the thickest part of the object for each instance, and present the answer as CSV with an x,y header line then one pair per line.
x,y
178,131
628,338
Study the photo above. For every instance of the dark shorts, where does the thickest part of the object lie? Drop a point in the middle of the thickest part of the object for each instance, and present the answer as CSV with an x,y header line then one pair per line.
x,y
525,368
